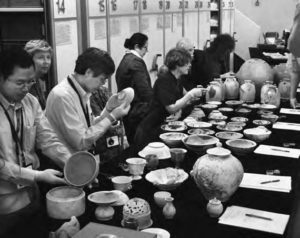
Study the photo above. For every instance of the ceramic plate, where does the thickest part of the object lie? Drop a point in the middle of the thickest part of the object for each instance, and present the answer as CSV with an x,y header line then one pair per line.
x,y
161,233
103,197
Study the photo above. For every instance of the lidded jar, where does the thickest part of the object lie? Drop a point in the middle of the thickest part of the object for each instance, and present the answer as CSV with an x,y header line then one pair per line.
x,y
231,88
270,94
218,173
247,91
220,81
214,92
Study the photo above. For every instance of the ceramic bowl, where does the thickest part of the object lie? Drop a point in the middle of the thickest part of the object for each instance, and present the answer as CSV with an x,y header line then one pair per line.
x,y
226,111
241,146
207,108
217,123
243,112
159,149
229,127
200,143
214,103
172,138
198,131
253,106
264,112
234,103
239,119
257,134
160,198
167,179
236,123
199,124
228,135
261,122
217,116
271,117
269,107
122,183
174,126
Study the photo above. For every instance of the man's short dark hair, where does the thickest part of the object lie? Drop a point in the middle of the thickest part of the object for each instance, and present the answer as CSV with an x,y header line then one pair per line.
x,y
99,61
14,57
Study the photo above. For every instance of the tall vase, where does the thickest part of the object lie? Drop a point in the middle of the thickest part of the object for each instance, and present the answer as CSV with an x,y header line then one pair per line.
x,y
270,94
231,88
247,91
284,88
214,92
169,209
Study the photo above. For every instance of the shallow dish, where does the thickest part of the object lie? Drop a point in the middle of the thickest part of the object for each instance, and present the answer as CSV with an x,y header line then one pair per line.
x,y
199,124
236,123
261,122
241,146
161,233
239,119
198,131
159,149
174,126
167,179
172,138
229,127
228,135
103,197
243,111
226,110
257,134
214,103
271,117
252,106
268,107
217,123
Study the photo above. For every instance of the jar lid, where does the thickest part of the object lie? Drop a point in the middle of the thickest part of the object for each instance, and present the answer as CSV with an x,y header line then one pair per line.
x,y
218,151
81,169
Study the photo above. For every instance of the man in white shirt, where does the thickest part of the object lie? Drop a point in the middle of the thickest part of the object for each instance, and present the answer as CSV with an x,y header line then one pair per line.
x,y
23,129
68,107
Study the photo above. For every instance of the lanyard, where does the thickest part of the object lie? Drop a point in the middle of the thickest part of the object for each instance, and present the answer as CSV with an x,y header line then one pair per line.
x,y
18,141
85,111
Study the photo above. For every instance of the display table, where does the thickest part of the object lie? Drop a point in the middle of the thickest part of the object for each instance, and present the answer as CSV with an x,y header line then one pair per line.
x,y
191,219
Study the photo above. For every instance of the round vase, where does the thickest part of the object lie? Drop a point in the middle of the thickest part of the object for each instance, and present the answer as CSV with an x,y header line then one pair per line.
x,y
104,213
284,88
214,208
270,94
218,174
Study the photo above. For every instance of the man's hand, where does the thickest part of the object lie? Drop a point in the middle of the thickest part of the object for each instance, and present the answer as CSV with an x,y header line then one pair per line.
x,y
120,111
195,93
49,176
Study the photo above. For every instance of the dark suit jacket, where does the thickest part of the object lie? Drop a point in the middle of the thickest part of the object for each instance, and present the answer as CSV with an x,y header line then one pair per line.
x,y
133,72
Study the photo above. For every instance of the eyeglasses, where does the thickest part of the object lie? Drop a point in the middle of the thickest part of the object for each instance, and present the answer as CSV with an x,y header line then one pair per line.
x,y
22,84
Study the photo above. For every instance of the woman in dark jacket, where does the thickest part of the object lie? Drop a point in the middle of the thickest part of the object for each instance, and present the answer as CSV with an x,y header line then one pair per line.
x,y
168,97
133,72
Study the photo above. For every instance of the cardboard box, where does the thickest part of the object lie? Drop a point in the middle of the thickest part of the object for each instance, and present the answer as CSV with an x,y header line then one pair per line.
x,y
92,230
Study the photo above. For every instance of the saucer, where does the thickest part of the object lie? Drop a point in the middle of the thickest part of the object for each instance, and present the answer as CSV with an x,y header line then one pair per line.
x,y
161,233
123,198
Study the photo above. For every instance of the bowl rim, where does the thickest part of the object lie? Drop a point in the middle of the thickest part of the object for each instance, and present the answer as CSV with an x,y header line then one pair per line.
x,y
206,124
198,135
103,192
184,177
208,129
254,144
182,127
162,136
233,132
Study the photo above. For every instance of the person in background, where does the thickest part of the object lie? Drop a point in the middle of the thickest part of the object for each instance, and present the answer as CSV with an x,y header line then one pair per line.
x,y
24,128
133,72
168,97
68,104
209,63
293,63
41,53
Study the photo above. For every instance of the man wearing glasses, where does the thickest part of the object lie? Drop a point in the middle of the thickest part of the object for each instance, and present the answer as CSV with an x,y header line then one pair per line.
x,y
23,128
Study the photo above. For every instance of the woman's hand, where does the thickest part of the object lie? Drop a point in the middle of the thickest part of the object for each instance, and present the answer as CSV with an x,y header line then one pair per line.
x,y
49,176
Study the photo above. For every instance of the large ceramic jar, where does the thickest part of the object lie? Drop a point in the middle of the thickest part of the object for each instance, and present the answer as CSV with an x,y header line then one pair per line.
x,y
284,88
214,92
218,174
220,81
231,88
270,94
247,92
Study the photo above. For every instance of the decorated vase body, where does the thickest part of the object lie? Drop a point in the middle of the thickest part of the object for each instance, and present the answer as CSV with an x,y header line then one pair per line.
x,y
284,88
220,81
231,88
169,210
270,94
218,174
247,92
214,92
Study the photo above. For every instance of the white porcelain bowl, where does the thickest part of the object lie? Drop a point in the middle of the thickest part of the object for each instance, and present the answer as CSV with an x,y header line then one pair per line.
x,y
257,134
161,150
241,146
200,143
